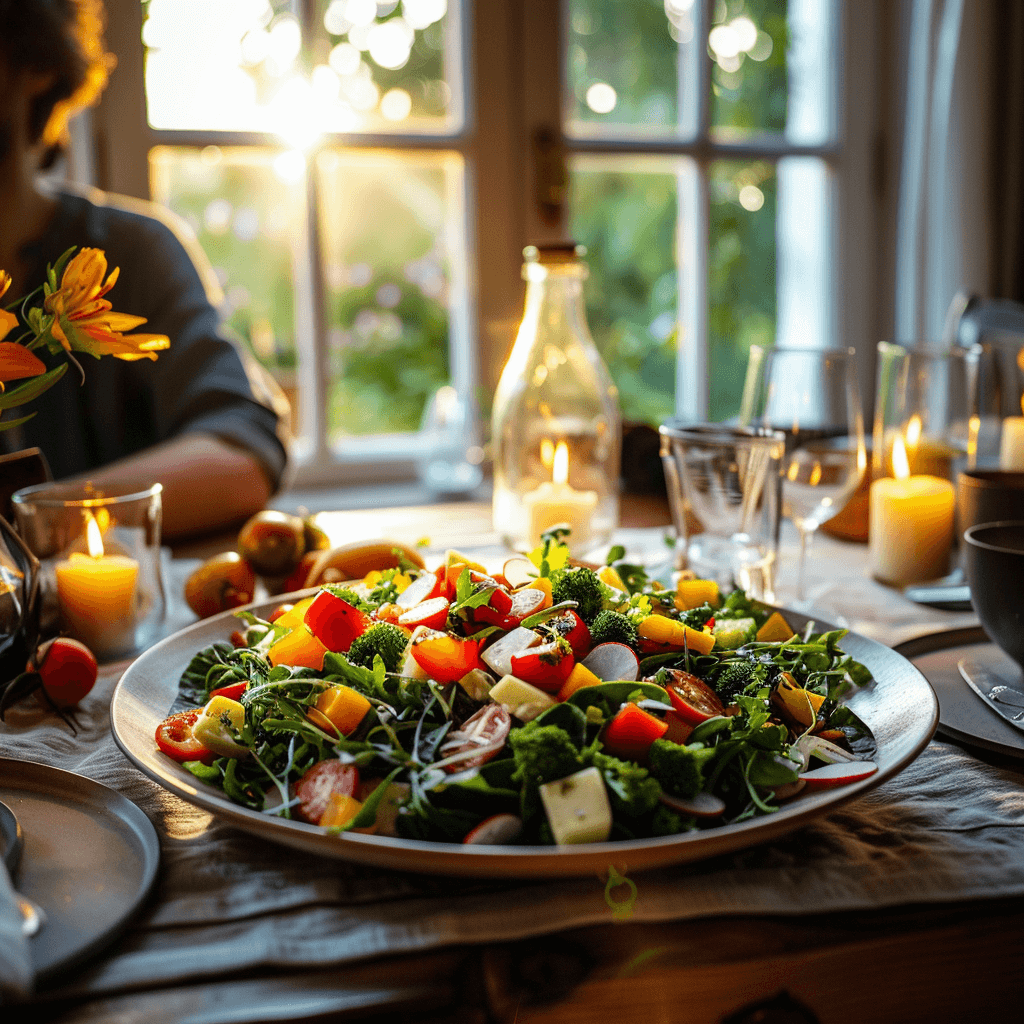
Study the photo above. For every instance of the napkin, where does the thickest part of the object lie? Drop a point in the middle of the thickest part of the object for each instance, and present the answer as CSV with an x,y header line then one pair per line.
x,y
15,961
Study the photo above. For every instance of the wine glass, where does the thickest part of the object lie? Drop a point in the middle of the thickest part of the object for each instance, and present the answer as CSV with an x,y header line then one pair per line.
x,y
810,394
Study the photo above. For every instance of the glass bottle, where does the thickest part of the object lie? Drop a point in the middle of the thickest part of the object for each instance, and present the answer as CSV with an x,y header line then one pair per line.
x,y
556,427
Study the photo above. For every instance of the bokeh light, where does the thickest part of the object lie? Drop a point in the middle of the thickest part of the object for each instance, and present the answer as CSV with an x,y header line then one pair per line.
x,y
601,98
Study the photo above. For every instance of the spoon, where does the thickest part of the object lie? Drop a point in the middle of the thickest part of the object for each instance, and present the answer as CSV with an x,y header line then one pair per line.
x,y
33,916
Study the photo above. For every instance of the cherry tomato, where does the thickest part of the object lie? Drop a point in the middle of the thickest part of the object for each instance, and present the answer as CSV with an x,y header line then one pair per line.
x,y
67,669
489,726
317,784
224,581
692,698
574,629
174,737
546,666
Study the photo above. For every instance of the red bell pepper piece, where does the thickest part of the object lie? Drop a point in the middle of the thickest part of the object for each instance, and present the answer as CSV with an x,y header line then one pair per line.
x,y
574,629
233,692
546,666
444,657
334,622
631,732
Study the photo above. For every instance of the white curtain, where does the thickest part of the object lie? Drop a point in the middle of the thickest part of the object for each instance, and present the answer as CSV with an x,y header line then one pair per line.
x,y
944,234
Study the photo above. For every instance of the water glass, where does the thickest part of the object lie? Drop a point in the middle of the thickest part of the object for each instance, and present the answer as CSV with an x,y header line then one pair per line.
x,y
100,563
723,487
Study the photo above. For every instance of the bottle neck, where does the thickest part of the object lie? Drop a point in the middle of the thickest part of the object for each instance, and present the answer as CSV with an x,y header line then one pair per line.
x,y
554,302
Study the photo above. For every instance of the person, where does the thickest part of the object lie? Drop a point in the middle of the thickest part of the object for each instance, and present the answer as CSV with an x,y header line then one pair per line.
x,y
203,418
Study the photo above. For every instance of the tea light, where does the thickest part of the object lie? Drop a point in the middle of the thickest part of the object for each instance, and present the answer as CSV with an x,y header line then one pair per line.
x,y
910,524
1011,444
555,502
96,595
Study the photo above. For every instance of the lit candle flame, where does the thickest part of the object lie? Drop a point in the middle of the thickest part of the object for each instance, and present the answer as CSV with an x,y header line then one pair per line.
x,y
560,472
547,453
93,536
913,431
900,465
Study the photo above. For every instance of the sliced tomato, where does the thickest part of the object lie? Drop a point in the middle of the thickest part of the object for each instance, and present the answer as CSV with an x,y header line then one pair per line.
x,y
433,614
443,657
318,783
574,629
174,737
234,691
546,666
496,612
487,729
694,701
335,622
631,732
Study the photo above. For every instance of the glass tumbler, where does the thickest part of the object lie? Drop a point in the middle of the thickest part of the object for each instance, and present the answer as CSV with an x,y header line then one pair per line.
x,y
100,563
724,487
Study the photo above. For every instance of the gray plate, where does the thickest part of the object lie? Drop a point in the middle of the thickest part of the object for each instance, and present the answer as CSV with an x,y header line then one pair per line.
x,y
963,716
90,860
900,708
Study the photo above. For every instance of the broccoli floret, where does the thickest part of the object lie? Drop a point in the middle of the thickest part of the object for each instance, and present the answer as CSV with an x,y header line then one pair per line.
x,y
735,676
383,638
614,627
543,754
581,585
666,822
678,768
631,790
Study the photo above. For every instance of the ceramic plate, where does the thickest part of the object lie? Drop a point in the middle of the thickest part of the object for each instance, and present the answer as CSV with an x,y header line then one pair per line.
x,y
899,707
90,858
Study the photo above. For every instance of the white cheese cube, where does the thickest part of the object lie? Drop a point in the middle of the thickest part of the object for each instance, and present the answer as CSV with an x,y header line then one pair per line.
x,y
524,701
577,808
498,656
477,683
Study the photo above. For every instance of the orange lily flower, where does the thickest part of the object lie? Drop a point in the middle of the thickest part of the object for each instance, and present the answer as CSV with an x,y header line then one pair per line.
x,y
84,321
15,360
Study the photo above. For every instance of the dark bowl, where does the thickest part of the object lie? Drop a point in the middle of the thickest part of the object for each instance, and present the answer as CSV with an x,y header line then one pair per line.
x,y
989,496
994,561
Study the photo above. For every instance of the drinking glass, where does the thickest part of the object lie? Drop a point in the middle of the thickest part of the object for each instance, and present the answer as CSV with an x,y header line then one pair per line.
x,y
811,395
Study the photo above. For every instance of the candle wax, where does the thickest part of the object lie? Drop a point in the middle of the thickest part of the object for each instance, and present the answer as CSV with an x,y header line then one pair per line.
x,y
553,503
96,594
1011,444
910,528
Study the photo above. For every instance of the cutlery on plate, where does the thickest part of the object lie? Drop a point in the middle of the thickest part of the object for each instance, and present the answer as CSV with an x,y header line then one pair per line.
x,y
33,917
1006,701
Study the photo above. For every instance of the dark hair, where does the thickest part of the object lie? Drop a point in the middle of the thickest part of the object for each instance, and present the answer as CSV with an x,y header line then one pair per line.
x,y
63,38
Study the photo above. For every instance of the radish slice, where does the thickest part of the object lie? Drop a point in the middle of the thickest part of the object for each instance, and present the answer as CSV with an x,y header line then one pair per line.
x,y
526,602
788,789
519,571
613,662
420,589
703,805
839,774
823,750
432,613
495,831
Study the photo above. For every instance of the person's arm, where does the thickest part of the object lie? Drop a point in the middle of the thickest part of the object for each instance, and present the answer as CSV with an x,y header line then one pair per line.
x,y
208,484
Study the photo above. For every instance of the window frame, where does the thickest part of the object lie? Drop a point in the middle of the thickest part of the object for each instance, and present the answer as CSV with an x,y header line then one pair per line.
x,y
514,87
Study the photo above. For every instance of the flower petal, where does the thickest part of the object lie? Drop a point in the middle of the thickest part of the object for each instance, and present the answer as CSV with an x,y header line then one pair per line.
x,y
8,321
16,362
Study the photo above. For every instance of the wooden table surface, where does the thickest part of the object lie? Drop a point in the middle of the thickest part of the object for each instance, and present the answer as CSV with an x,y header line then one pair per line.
x,y
950,962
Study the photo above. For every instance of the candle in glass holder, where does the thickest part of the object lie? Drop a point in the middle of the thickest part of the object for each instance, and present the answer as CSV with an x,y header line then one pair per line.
x,y
556,502
911,523
96,595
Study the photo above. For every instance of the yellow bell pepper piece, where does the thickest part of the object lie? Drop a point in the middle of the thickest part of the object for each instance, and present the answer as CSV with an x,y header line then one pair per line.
x,y
606,574
340,810
796,703
775,630
294,616
694,593
579,677
662,630
299,647
343,707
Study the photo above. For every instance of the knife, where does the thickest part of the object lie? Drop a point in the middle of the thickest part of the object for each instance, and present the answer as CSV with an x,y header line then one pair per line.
x,y
1006,701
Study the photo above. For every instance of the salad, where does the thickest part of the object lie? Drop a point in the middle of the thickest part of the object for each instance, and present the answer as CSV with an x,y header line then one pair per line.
x,y
551,703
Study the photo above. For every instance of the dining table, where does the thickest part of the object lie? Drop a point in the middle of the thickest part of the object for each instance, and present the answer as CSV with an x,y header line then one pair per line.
x,y
905,904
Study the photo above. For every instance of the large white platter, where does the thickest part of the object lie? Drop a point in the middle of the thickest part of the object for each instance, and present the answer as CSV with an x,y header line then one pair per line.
x,y
899,707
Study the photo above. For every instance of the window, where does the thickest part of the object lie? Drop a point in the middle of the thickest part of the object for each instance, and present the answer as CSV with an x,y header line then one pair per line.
x,y
364,174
